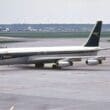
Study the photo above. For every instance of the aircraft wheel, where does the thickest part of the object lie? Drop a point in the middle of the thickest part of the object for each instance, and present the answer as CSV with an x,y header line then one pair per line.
x,y
54,66
39,65
100,61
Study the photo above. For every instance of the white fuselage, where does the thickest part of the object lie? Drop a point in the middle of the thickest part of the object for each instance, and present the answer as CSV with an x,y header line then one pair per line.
x,y
26,55
47,49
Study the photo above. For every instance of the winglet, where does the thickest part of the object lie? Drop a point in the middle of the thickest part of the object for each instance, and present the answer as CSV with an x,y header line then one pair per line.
x,y
94,36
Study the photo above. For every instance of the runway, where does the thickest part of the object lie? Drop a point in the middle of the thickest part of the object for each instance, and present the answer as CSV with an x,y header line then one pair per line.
x,y
81,87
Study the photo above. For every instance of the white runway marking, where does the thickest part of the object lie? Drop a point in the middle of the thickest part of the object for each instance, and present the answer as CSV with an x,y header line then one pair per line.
x,y
12,108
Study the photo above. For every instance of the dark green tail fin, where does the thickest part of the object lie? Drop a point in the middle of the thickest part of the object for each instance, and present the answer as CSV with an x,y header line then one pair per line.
x,y
94,36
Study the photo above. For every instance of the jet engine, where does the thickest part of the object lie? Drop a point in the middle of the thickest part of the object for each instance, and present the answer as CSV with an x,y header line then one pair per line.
x,y
64,63
93,62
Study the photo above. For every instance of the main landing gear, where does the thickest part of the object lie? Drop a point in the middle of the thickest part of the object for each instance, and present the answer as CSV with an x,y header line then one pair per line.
x,y
39,65
54,66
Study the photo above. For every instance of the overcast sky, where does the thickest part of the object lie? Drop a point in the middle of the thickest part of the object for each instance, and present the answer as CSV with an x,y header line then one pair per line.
x,y
54,11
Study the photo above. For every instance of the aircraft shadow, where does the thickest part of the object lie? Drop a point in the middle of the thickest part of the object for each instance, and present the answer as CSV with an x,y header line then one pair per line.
x,y
27,67
64,69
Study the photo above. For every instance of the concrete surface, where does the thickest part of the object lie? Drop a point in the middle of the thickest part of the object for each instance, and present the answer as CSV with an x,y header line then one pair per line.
x,y
81,87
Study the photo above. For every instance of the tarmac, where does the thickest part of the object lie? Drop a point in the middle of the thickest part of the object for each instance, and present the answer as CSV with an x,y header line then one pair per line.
x,y
81,87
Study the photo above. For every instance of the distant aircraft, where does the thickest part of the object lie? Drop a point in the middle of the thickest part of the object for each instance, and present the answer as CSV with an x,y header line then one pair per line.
x,y
62,56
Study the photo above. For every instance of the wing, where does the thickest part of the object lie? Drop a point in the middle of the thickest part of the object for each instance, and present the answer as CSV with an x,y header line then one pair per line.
x,y
52,59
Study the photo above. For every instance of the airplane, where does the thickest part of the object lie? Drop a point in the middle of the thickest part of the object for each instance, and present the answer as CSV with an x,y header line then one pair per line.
x,y
60,56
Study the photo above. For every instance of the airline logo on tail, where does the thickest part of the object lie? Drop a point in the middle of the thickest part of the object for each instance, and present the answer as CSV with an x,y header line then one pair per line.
x,y
96,33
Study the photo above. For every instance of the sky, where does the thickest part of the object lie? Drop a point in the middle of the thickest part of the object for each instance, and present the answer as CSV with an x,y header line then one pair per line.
x,y
54,11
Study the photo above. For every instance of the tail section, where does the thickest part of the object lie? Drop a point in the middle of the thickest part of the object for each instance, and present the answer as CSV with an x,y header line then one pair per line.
x,y
94,36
